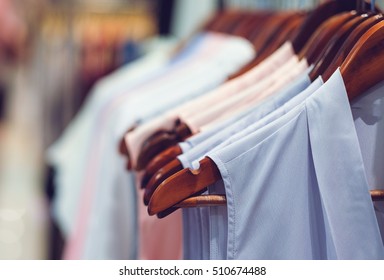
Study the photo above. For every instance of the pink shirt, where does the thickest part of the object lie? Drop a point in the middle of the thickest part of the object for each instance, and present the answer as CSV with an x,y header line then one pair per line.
x,y
159,239
249,97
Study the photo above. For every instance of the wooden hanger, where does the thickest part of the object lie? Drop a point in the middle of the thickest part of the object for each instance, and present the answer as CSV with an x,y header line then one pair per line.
x,y
158,162
256,19
182,185
349,44
317,17
215,21
160,142
160,176
224,21
266,36
285,33
335,44
314,19
182,188
364,66
196,201
271,29
322,35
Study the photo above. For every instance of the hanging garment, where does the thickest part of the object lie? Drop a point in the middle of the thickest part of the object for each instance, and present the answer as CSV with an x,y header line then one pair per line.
x,y
187,79
237,130
287,198
135,139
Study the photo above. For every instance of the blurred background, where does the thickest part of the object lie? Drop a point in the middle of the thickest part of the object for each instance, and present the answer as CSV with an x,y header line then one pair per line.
x,y
51,54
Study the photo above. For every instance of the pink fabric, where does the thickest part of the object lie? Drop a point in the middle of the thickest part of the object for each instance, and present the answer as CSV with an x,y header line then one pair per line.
x,y
249,96
75,243
248,79
136,138
159,239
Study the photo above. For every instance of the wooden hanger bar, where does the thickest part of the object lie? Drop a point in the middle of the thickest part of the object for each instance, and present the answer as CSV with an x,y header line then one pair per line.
x,y
203,201
377,195
221,200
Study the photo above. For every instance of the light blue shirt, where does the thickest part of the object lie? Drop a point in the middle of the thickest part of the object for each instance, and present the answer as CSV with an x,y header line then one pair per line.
x,y
296,188
220,139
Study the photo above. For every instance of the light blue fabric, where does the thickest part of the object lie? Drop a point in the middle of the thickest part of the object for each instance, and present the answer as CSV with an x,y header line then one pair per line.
x,y
261,110
208,218
192,238
195,229
368,115
221,212
270,117
296,188
246,125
